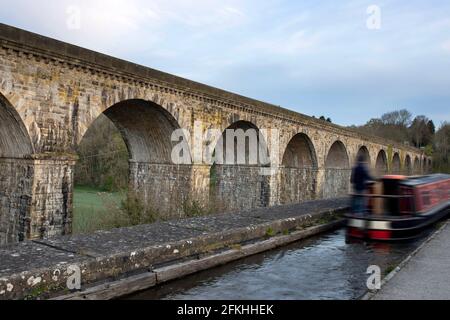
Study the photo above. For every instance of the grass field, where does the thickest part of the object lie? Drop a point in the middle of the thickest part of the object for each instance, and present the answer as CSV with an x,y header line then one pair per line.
x,y
96,210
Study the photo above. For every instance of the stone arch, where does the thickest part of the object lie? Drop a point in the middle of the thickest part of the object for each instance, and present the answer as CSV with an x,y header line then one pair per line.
x,y
408,165
337,156
237,176
298,171
254,152
337,171
15,141
160,182
146,128
300,153
381,166
364,152
396,163
416,167
16,175
128,97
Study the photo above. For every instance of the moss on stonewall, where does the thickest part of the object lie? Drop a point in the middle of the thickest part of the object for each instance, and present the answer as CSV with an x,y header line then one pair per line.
x,y
43,291
270,232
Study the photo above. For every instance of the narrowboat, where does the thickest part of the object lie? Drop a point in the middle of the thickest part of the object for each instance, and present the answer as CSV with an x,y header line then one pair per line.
x,y
400,207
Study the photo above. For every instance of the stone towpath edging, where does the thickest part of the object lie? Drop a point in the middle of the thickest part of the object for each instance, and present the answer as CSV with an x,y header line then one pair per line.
x,y
161,275
128,257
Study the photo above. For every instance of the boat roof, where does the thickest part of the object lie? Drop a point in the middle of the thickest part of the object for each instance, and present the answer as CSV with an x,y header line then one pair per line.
x,y
394,177
414,181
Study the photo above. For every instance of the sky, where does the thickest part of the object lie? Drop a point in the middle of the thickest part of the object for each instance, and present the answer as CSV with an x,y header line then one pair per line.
x,y
347,60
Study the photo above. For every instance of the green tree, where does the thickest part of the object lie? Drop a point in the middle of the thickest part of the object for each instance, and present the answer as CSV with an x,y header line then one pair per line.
x,y
103,157
431,127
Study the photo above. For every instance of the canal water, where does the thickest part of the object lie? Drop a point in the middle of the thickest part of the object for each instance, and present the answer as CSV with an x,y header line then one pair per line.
x,y
323,267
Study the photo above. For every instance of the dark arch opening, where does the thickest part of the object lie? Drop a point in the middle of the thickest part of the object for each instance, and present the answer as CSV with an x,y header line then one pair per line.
x,y
416,165
127,151
240,183
396,165
430,166
337,171
364,153
249,148
382,165
337,156
16,175
408,165
146,128
15,141
300,153
299,169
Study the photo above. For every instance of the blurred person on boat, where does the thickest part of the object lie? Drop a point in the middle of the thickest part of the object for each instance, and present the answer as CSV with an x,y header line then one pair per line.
x,y
360,178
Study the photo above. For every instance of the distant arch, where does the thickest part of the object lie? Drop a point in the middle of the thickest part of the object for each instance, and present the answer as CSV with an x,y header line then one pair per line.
x,y
337,171
364,153
300,153
416,165
250,146
396,163
337,156
298,172
237,179
381,166
408,165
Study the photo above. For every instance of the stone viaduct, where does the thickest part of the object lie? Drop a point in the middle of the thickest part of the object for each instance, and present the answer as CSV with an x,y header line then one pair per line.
x,y
51,92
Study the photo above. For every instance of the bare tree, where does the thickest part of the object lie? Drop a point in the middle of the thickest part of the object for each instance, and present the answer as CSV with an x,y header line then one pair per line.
x,y
401,118
441,156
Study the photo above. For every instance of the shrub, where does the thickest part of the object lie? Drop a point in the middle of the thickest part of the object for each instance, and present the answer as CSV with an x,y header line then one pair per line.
x,y
139,212
193,208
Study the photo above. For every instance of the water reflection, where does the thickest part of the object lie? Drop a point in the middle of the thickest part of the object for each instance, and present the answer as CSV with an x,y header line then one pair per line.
x,y
322,267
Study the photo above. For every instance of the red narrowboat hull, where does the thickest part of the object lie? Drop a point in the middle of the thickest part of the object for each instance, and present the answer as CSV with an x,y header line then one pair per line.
x,y
421,202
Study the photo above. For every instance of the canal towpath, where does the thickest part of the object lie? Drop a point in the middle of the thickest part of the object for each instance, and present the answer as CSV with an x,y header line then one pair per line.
x,y
425,275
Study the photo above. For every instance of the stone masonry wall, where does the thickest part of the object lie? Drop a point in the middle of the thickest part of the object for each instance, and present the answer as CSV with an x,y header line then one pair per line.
x,y
52,201
297,185
238,188
337,183
165,188
16,180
